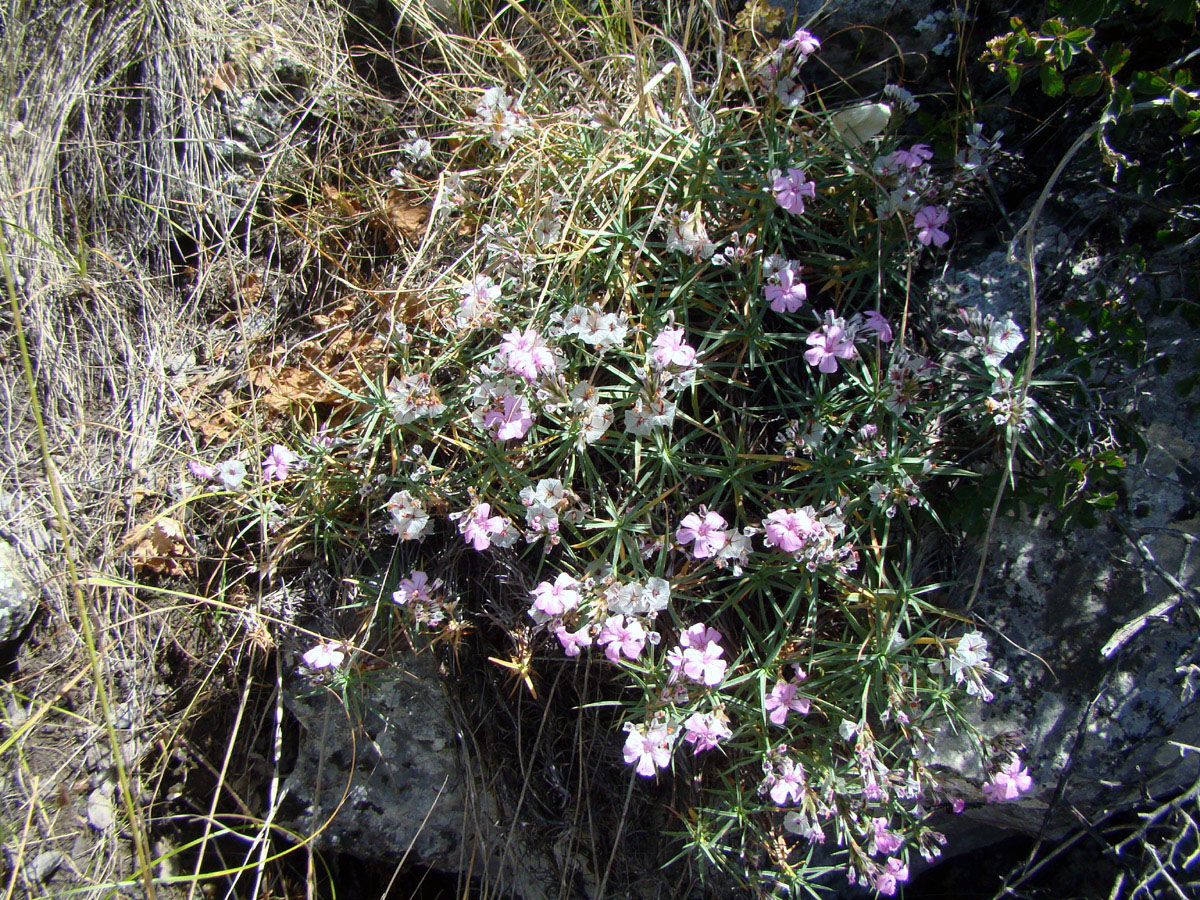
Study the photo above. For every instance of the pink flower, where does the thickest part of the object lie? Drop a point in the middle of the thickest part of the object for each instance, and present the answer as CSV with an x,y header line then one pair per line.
x,y
704,665
928,221
827,345
705,730
791,189
875,323
957,805
513,423
573,641
914,156
278,463
326,655
705,535
556,599
699,636
886,841
477,526
1009,783
413,589
804,41
789,295
790,529
671,349
621,637
526,354
649,747
787,781
202,471
783,699
478,297
887,878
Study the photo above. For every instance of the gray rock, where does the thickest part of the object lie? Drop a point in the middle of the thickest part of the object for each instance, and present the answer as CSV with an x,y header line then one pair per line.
x,y
1100,627
384,780
387,770
45,864
18,602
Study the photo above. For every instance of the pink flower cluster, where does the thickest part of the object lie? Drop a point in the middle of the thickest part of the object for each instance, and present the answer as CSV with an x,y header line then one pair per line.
x,y
672,349
789,293
525,353
481,529
791,530
836,337
698,656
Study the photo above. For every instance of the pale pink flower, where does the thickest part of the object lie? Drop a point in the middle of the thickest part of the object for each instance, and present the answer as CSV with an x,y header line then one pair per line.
x,y
556,599
526,354
413,590
787,781
913,157
875,323
704,665
705,730
790,529
622,637
650,747
699,636
827,345
202,471
928,221
278,463
888,877
791,189
783,699
1009,783
789,295
805,42
326,655
512,422
670,348
478,525
885,840
706,535
573,641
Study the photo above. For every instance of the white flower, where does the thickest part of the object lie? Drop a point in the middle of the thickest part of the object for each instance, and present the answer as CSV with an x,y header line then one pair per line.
x,y
326,655
687,234
231,473
417,150
409,518
901,97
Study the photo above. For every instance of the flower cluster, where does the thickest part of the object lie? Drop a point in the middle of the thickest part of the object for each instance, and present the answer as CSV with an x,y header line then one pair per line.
x,y
810,538
670,366
409,519
780,74
968,664
686,233
544,504
991,338
413,397
481,529
500,117
423,599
